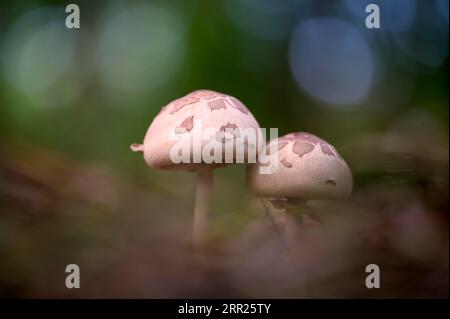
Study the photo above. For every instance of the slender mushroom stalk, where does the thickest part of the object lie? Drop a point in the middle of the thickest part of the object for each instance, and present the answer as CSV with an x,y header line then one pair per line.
x,y
290,230
307,168
203,189
275,224
293,218
175,130
299,208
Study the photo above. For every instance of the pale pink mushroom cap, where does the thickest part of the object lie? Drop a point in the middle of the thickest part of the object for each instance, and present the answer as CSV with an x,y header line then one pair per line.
x,y
307,167
212,110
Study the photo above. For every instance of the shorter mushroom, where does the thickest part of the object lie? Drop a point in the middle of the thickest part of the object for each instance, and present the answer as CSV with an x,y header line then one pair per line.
x,y
306,168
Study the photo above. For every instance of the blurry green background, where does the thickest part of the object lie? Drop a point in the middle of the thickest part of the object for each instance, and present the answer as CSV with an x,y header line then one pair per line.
x,y
72,101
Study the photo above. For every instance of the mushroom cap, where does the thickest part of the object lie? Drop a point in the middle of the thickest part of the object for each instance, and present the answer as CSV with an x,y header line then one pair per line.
x,y
213,112
306,167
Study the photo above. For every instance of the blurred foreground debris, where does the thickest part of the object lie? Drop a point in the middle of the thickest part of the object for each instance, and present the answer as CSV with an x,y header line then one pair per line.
x,y
131,238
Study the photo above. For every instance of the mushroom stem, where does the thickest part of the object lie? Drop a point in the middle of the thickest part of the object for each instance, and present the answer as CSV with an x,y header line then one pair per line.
x,y
273,222
200,226
291,229
293,220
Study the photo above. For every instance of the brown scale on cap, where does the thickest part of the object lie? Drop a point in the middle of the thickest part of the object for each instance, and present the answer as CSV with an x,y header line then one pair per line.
x,y
301,136
207,95
228,128
288,138
219,101
235,103
326,149
286,163
330,150
301,148
309,138
217,104
304,143
192,98
185,126
182,102
279,146
222,103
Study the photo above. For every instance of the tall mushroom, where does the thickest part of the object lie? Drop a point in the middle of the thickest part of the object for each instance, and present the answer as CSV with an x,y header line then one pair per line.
x,y
306,168
218,119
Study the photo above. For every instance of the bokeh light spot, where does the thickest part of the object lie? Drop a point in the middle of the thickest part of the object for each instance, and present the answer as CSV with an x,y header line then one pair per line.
x,y
141,47
331,61
37,51
395,16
